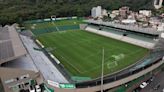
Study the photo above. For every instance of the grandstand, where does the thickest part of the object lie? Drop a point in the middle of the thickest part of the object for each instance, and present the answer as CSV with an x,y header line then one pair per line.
x,y
11,46
136,39
128,33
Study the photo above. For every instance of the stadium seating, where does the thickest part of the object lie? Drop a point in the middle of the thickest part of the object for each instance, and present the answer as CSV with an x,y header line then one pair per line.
x,y
129,34
70,27
44,30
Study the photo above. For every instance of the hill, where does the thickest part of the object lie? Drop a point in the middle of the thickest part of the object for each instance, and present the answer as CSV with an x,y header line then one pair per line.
x,y
19,10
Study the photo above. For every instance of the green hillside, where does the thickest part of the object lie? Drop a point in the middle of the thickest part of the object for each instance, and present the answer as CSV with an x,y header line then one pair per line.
x,y
19,10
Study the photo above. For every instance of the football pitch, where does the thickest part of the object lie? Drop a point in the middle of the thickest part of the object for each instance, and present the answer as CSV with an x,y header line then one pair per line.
x,y
81,52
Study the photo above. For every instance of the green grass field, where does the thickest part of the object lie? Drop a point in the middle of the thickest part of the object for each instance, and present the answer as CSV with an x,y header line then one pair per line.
x,y
47,27
43,25
81,52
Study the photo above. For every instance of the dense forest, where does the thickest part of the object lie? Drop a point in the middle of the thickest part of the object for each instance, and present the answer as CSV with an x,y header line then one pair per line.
x,y
19,10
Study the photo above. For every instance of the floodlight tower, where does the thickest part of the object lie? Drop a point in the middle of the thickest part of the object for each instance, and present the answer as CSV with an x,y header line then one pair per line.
x,y
102,72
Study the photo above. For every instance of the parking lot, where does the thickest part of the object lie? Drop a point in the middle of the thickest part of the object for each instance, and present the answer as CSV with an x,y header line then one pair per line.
x,y
157,85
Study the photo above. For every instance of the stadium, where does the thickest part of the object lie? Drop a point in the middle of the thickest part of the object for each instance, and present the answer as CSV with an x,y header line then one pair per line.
x,y
77,46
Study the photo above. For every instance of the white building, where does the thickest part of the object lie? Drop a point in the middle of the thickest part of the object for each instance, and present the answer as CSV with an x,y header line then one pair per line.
x,y
96,12
104,12
147,13
160,27
115,12
158,4
112,16
128,21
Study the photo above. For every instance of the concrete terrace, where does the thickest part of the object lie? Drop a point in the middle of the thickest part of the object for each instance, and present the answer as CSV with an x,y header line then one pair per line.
x,y
118,35
42,62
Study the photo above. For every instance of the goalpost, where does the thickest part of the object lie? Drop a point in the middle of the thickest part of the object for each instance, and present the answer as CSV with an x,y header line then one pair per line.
x,y
53,18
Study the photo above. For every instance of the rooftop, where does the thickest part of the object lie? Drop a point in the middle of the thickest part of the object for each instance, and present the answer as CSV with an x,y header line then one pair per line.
x,y
11,46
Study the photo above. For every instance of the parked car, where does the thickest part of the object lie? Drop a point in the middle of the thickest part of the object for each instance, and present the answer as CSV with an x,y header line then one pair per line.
x,y
143,85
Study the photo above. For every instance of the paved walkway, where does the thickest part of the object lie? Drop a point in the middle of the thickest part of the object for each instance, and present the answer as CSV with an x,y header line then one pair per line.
x,y
43,64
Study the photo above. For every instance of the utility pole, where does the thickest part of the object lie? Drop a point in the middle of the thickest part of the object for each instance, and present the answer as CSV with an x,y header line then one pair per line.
x,y
102,72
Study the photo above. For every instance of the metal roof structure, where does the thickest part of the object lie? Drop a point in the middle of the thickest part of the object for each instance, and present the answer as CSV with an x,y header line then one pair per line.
x,y
11,46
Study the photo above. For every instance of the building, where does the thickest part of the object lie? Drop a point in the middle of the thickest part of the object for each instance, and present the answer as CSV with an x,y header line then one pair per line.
x,y
104,12
132,15
142,18
112,16
147,13
160,27
155,21
162,15
158,4
124,11
10,44
128,21
116,12
96,12
14,79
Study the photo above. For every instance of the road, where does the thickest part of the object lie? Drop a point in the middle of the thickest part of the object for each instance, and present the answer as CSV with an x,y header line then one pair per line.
x,y
43,64
159,79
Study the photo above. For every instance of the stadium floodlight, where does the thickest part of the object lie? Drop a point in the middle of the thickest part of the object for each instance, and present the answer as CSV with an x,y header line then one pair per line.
x,y
102,73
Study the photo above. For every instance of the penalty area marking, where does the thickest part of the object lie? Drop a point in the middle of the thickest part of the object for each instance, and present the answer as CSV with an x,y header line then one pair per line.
x,y
108,62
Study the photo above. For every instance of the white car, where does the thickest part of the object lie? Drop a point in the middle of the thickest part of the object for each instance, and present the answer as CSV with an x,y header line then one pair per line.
x,y
38,89
162,90
143,85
